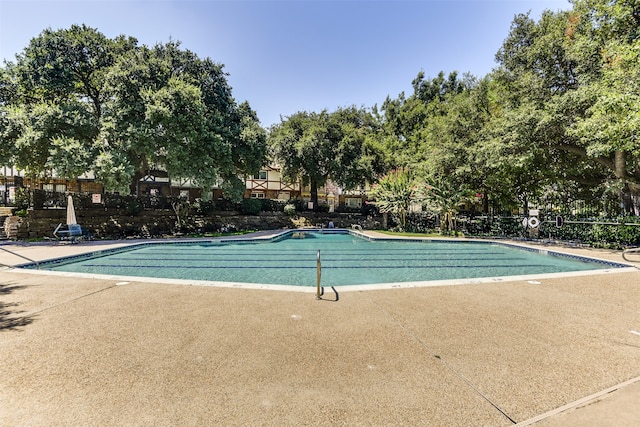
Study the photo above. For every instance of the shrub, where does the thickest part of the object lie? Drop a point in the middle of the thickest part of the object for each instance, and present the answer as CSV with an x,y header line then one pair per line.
x,y
133,206
251,206
421,222
203,207
324,208
290,209
348,209
225,205
300,204
23,198
609,233
394,193
370,209
270,205
39,197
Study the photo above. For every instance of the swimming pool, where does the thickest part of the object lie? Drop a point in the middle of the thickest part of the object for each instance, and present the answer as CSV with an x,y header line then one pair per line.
x,y
347,260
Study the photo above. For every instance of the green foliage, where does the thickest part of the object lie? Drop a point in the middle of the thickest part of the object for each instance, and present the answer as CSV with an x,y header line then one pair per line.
x,y
394,193
573,76
203,207
446,198
133,207
422,222
290,209
77,101
340,146
561,111
233,189
271,205
616,233
251,206
113,170
23,199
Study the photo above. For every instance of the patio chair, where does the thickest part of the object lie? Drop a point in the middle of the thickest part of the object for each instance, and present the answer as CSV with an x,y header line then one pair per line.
x,y
72,233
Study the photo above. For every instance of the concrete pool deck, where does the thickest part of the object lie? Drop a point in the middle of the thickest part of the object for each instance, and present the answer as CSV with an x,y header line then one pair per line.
x,y
78,351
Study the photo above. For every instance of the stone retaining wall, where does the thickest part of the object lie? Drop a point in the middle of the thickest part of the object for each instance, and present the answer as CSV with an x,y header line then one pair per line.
x,y
10,227
116,224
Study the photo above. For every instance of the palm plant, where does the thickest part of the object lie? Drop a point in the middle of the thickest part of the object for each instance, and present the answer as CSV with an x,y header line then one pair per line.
x,y
394,193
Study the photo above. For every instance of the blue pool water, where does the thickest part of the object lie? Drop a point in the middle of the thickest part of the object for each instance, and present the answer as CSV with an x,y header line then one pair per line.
x,y
346,260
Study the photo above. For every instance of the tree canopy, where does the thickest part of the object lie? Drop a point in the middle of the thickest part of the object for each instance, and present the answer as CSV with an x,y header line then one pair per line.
x,y
558,117
340,146
560,111
76,101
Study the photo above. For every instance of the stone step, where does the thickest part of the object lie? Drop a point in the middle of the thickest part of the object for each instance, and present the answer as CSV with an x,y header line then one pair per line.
x,y
10,227
3,234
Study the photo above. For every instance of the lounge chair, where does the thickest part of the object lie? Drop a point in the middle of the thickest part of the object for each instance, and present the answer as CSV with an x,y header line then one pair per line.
x,y
72,233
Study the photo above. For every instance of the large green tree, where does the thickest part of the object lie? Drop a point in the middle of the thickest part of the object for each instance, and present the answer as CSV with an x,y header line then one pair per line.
x,y
341,146
52,100
405,119
569,80
435,132
560,111
609,31
76,101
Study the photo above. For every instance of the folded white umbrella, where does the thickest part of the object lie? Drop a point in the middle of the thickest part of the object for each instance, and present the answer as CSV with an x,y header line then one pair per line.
x,y
71,212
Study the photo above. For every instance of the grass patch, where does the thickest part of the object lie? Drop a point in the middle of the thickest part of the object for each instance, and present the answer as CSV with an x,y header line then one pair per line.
x,y
36,239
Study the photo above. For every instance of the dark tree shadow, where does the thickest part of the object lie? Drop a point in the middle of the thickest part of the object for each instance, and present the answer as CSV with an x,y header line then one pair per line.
x,y
11,318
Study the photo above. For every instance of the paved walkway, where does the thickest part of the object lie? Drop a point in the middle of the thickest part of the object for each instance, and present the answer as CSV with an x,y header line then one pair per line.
x,y
80,351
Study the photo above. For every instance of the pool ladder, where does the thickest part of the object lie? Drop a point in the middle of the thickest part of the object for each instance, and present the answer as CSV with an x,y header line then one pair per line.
x,y
320,288
19,256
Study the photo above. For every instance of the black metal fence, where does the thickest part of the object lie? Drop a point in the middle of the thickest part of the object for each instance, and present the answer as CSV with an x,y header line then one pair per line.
x,y
609,232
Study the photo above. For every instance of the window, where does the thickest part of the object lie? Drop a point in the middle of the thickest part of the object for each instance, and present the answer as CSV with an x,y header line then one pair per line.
x,y
47,187
260,175
284,195
353,202
257,195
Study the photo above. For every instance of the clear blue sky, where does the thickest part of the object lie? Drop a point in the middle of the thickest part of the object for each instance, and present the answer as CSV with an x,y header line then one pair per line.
x,y
285,56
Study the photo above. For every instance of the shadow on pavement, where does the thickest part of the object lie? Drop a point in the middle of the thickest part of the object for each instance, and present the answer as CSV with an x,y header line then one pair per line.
x,y
11,317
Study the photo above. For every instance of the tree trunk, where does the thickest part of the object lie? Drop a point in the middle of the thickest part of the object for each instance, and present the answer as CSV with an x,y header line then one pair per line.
x,y
634,199
620,164
485,202
135,181
630,192
314,194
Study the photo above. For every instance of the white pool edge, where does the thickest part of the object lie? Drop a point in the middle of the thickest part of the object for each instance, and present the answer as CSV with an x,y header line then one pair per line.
x,y
340,288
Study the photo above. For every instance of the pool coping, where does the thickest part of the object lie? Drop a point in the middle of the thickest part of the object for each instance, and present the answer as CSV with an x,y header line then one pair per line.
x,y
616,267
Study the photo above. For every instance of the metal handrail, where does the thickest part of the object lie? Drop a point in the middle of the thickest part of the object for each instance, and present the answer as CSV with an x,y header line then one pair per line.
x,y
630,251
320,289
319,274
20,256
